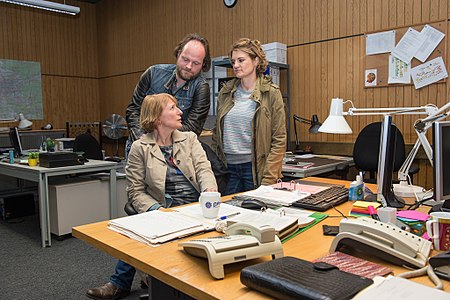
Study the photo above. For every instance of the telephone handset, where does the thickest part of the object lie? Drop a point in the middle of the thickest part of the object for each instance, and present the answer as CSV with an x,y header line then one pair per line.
x,y
264,233
241,242
383,240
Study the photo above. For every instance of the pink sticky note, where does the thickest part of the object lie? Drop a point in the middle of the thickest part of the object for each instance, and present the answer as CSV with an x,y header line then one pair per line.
x,y
412,214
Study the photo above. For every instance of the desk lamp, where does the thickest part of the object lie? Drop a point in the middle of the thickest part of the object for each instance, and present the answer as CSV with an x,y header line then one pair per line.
x,y
314,128
336,123
24,123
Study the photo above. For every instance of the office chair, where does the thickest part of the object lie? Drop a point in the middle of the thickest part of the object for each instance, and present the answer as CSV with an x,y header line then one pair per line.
x,y
367,147
74,129
86,143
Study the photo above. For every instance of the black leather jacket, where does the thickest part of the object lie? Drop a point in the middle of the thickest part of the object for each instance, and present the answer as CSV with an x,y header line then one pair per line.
x,y
193,98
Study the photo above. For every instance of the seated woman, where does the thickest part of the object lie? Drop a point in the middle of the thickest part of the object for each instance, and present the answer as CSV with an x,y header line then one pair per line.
x,y
165,168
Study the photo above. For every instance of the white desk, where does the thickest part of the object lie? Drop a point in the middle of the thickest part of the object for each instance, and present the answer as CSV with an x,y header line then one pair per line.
x,y
41,175
315,169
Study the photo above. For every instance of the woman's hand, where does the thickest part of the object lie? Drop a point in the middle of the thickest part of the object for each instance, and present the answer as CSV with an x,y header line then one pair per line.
x,y
210,190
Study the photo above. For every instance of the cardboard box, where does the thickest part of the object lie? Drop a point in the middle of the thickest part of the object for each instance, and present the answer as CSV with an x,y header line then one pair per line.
x,y
275,52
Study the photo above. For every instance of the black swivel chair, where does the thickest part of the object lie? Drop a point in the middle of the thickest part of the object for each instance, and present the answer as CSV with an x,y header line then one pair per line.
x,y
367,147
88,144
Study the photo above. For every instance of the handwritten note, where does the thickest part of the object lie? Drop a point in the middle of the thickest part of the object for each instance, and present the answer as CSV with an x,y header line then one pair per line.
x,y
429,72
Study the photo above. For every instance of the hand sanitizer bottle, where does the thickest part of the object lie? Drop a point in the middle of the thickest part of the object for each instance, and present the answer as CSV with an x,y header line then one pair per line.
x,y
356,191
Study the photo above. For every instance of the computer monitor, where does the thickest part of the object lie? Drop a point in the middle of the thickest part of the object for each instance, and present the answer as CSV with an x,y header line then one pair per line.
x,y
386,156
441,161
15,141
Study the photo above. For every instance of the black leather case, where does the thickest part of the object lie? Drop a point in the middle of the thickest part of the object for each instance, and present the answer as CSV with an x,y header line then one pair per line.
x,y
293,278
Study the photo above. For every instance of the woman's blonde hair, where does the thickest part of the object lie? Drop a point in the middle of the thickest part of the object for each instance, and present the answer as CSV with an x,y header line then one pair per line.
x,y
253,49
151,109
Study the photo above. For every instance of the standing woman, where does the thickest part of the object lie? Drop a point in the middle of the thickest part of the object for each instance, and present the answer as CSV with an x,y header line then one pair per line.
x,y
250,132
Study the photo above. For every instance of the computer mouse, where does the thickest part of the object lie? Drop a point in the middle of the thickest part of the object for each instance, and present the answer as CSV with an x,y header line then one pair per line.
x,y
253,204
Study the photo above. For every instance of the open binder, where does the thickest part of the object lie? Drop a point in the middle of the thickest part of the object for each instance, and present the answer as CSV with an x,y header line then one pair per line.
x,y
284,223
156,226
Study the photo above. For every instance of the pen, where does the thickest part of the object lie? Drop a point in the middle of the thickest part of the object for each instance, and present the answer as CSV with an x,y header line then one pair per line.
x,y
373,213
228,216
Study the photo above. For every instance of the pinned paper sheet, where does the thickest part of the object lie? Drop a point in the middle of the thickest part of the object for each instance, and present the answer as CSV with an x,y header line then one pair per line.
x,y
432,37
429,72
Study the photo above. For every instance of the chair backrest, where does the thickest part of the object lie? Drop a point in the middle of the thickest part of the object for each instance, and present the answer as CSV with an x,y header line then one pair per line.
x,y
86,143
367,147
74,129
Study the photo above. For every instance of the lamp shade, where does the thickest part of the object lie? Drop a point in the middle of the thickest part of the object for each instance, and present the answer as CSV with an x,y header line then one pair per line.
x,y
23,122
315,124
336,123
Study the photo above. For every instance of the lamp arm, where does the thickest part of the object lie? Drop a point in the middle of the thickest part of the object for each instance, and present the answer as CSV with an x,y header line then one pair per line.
x,y
300,119
404,169
419,110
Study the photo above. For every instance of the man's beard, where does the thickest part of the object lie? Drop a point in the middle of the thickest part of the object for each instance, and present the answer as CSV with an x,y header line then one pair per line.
x,y
186,78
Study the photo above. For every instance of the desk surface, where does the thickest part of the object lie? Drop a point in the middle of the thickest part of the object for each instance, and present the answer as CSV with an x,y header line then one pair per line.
x,y
91,164
171,265
292,170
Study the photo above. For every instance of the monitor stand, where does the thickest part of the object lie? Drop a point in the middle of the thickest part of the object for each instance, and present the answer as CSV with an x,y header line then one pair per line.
x,y
391,200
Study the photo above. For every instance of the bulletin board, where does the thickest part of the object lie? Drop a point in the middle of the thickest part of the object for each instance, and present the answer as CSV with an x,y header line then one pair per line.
x,y
380,62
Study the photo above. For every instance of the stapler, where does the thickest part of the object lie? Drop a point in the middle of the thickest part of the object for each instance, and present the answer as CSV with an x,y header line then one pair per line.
x,y
441,265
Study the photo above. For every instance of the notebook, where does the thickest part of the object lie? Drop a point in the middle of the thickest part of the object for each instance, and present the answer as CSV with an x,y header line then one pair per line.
x,y
355,265
156,226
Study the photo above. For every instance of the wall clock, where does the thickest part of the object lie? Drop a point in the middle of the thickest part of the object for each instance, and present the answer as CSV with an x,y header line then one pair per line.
x,y
229,3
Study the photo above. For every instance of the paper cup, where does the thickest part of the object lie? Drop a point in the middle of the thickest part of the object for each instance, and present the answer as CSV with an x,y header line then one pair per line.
x,y
438,229
387,214
210,203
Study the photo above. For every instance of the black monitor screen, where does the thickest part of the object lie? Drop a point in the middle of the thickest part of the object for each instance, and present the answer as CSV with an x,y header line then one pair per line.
x,y
441,160
15,140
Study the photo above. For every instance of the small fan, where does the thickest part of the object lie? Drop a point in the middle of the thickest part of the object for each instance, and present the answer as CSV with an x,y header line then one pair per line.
x,y
114,128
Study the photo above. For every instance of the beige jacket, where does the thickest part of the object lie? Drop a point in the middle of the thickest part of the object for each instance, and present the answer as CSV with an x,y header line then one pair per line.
x,y
146,168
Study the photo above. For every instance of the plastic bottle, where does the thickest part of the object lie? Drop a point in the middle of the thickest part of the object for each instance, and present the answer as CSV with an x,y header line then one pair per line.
x,y
356,191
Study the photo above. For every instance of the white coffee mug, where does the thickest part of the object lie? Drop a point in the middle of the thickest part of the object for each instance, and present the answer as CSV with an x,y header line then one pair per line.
x,y
438,229
210,203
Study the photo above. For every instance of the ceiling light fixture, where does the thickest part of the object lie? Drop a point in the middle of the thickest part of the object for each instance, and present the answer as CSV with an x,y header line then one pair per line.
x,y
47,5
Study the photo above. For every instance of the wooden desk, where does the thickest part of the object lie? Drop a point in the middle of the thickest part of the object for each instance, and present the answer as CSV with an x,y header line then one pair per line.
x,y
190,275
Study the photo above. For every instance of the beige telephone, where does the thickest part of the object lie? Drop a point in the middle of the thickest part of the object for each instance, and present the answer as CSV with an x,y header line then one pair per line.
x,y
383,240
241,242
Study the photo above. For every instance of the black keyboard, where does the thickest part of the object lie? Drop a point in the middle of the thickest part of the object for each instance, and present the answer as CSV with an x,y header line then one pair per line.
x,y
324,200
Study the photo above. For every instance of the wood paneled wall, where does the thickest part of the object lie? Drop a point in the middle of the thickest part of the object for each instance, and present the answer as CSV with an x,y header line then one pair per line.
x,y
91,62
66,47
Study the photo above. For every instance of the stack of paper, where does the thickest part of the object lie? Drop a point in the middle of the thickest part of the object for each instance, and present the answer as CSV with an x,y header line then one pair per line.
x,y
397,288
360,208
415,220
155,227
271,195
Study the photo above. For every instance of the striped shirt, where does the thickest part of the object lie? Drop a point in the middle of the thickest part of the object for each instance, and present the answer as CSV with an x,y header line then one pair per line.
x,y
237,129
